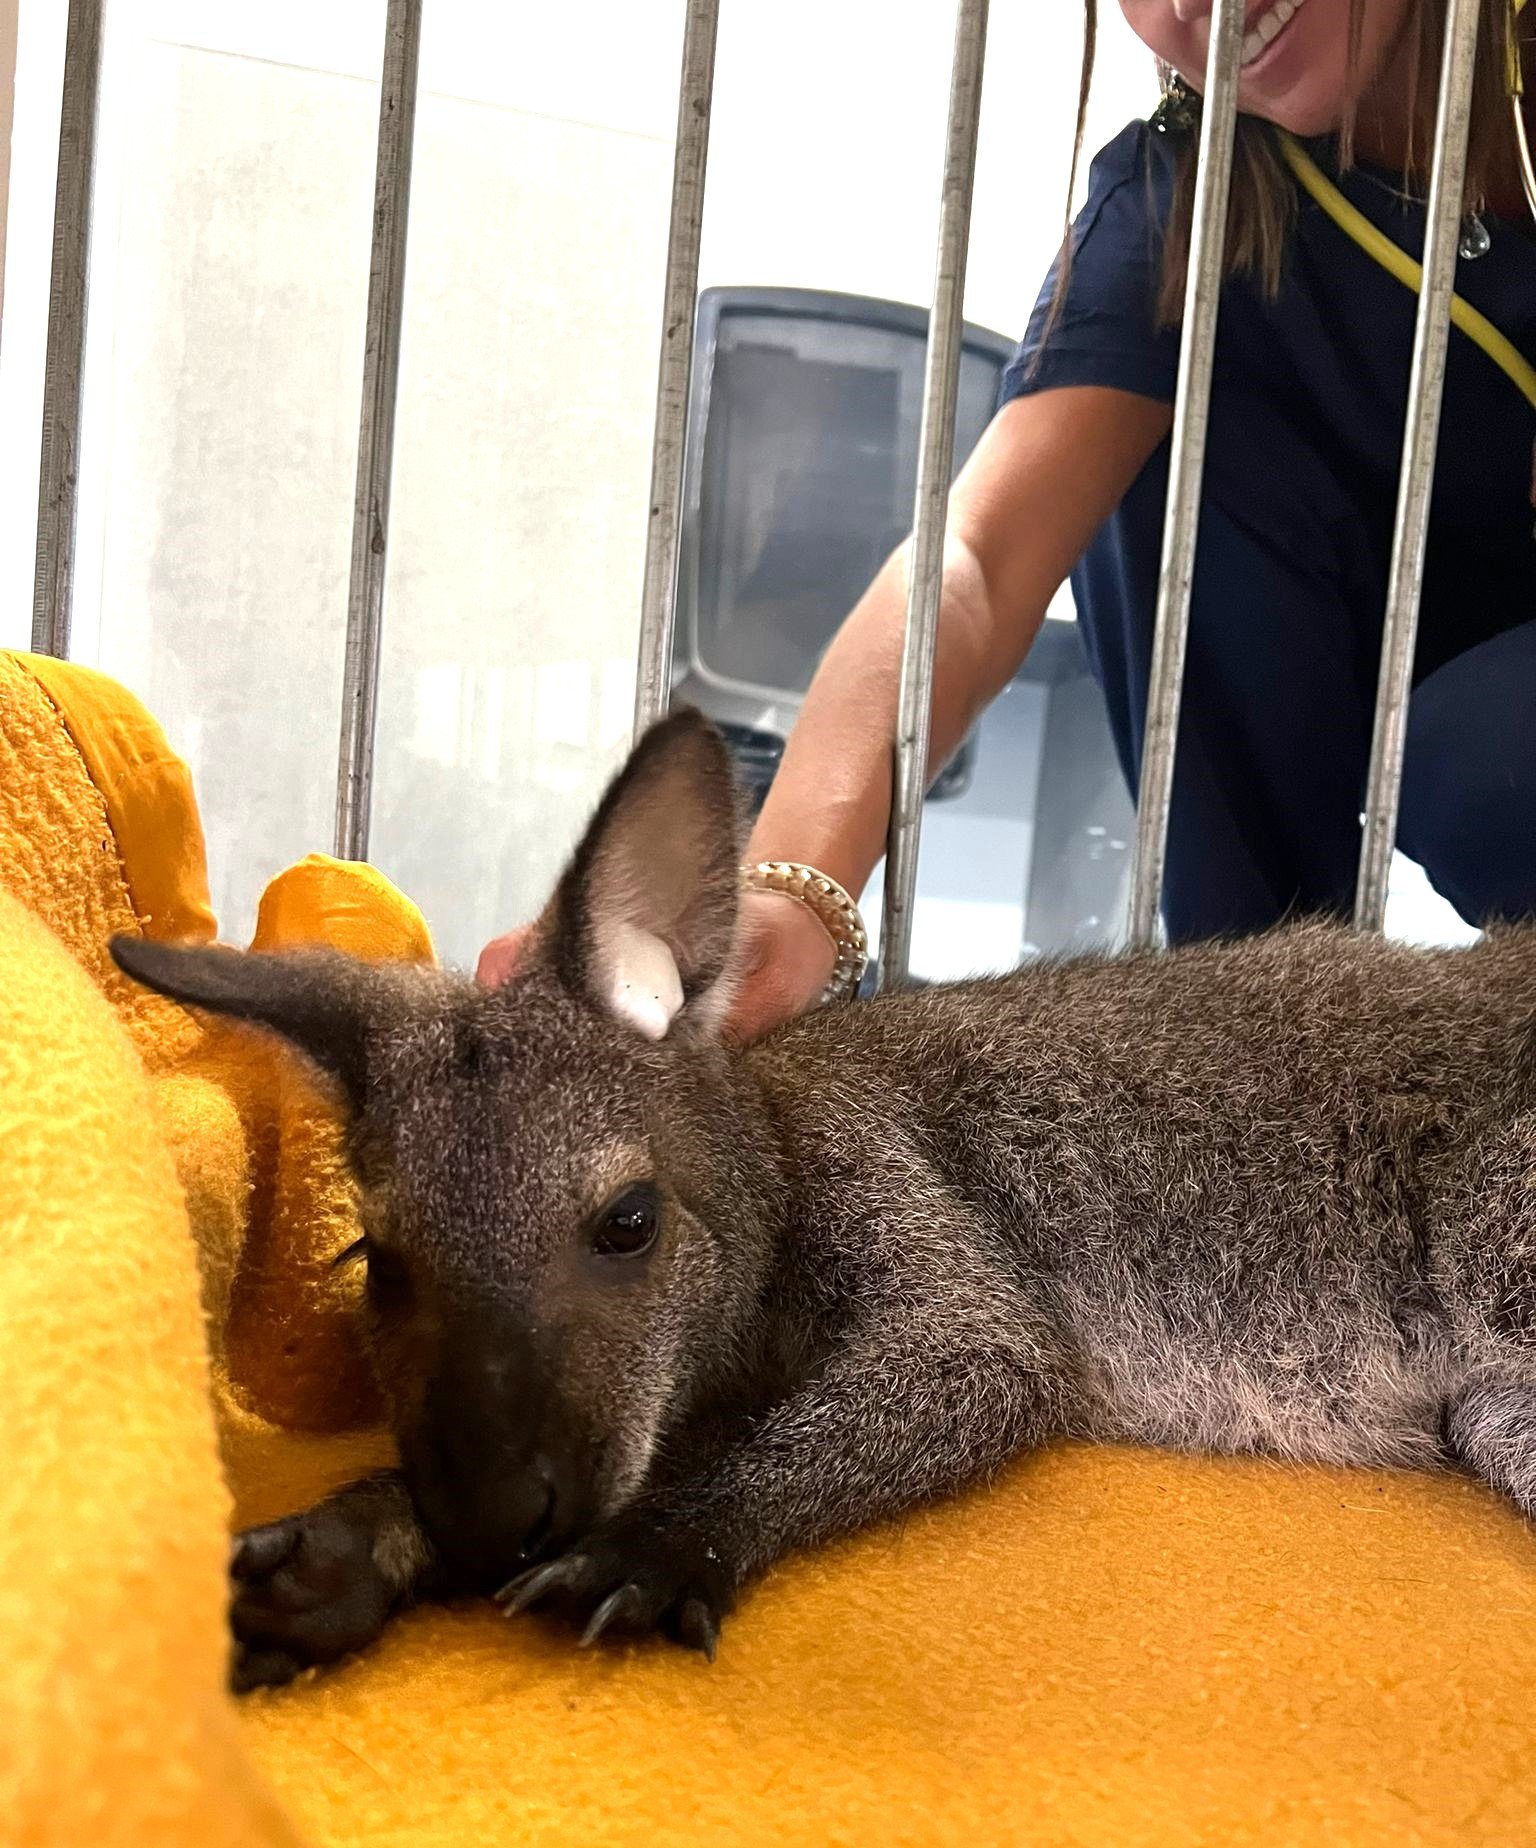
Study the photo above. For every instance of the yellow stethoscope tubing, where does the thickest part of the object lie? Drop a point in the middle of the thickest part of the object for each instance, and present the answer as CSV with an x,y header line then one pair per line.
x,y
1396,262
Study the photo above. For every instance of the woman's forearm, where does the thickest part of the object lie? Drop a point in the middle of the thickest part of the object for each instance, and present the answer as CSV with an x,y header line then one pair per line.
x,y
1043,478
831,800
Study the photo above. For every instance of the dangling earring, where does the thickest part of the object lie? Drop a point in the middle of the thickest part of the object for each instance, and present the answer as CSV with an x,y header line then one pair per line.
x,y
1178,112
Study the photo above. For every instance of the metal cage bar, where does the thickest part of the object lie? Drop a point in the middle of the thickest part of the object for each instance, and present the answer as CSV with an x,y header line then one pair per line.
x,y
1186,466
59,470
1426,388
935,464
376,430
658,597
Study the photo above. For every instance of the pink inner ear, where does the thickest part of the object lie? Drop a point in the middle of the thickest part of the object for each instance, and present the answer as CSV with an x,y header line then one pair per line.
x,y
649,907
640,982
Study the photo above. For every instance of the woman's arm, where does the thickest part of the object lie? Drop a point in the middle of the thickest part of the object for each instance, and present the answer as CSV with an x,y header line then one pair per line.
x,y
1047,473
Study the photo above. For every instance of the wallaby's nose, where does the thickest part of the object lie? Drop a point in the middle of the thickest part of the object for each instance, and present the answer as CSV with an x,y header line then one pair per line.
x,y
485,1527
488,1506
490,1487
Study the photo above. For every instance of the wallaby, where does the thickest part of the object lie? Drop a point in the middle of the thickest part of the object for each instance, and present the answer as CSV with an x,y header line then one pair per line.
x,y
650,1311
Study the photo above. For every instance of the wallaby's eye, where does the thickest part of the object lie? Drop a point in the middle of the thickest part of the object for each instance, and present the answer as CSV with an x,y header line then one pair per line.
x,y
627,1227
388,1278
387,1275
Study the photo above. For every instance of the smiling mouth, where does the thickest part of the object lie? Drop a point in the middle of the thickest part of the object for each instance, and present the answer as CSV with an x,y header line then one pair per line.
x,y
1268,27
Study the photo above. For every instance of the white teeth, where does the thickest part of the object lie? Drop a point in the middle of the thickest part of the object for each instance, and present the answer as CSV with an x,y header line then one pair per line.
x,y
1269,26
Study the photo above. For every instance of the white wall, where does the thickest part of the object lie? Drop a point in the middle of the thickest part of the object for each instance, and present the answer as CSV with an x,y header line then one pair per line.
x,y
825,162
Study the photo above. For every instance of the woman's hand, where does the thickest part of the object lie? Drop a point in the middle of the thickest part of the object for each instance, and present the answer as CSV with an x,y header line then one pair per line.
x,y
500,958
786,960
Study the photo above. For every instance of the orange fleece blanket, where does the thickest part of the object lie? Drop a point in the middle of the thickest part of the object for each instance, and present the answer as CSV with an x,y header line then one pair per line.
x,y
1105,1647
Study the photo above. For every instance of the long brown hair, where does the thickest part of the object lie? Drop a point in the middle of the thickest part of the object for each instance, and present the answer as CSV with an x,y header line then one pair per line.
x,y
1263,196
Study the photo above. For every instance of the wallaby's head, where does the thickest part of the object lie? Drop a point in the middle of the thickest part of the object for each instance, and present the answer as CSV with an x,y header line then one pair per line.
x,y
563,1187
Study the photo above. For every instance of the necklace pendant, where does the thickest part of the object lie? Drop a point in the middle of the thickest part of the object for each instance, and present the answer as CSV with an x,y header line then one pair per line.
x,y
1476,240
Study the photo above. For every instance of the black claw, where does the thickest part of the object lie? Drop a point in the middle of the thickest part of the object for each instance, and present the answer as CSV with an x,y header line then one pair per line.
x,y
261,1550
617,1604
696,1626
528,1587
517,1582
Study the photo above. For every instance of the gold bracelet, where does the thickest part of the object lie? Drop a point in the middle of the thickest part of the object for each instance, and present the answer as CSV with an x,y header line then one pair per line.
x,y
832,909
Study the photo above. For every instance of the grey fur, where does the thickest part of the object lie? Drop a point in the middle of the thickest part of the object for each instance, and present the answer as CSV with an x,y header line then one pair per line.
x,y
1270,1196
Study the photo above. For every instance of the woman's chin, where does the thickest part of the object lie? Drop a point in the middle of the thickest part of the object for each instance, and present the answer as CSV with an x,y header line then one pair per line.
x,y
1301,116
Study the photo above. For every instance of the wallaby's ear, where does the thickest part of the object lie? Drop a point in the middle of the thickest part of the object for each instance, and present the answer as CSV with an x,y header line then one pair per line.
x,y
644,919
317,1000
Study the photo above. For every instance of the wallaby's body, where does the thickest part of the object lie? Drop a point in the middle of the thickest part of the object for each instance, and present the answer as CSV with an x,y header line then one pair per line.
x,y
1251,1197
651,1313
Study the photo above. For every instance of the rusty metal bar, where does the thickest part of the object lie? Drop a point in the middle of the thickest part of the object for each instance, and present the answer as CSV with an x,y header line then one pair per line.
x,y
1186,466
59,471
376,433
935,466
658,595
1426,388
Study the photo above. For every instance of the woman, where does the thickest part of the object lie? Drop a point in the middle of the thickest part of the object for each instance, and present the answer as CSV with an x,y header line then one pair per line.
x,y
1299,491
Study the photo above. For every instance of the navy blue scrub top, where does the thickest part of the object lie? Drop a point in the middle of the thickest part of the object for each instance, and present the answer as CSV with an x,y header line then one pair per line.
x,y
1304,447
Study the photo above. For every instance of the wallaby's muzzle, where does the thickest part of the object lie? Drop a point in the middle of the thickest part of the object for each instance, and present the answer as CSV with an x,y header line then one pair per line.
x,y
495,1470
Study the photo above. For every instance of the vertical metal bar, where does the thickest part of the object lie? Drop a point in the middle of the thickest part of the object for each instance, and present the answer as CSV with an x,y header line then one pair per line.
x,y
658,595
935,464
376,432
59,471
1426,385
1186,466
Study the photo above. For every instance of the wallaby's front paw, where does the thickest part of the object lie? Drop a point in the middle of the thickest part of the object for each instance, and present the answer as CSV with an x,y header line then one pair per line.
x,y
634,1576
306,1590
